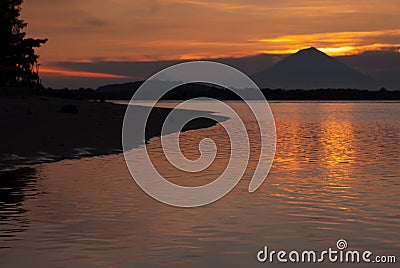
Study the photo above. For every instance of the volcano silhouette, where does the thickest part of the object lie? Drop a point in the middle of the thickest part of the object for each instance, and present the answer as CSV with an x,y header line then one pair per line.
x,y
312,69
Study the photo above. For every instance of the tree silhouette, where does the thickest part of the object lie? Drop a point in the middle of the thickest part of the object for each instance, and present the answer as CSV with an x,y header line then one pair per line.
x,y
18,61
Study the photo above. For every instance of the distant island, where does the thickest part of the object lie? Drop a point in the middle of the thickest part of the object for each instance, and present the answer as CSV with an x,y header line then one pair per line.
x,y
313,69
308,74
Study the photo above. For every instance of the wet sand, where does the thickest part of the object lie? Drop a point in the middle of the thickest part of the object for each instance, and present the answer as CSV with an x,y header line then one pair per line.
x,y
34,131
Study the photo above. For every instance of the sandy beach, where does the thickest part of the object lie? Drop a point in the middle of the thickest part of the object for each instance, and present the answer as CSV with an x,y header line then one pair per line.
x,y
34,130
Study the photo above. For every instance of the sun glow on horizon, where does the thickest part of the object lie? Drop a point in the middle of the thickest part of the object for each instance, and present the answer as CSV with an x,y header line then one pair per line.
x,y
334,44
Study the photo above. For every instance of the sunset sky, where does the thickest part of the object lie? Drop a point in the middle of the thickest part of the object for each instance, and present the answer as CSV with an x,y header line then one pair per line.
x,y
135,30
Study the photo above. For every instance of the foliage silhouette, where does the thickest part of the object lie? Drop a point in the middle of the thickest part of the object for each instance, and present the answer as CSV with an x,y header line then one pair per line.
x,y
193,90
18,61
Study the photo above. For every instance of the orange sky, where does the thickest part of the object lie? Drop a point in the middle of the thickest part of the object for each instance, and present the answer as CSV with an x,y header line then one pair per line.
x,y
131,30
80,73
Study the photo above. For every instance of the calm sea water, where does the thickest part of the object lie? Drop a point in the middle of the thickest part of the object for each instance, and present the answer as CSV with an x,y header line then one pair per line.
x,y
336,175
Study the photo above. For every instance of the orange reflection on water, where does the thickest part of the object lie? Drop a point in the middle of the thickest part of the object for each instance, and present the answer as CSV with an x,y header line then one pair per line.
x,y
337,142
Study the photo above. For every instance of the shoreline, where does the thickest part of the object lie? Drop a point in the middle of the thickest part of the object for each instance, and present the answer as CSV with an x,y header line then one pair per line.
x,y
34,130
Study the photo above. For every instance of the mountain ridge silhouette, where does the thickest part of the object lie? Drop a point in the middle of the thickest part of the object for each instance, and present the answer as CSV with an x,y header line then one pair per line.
x,y
311,68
